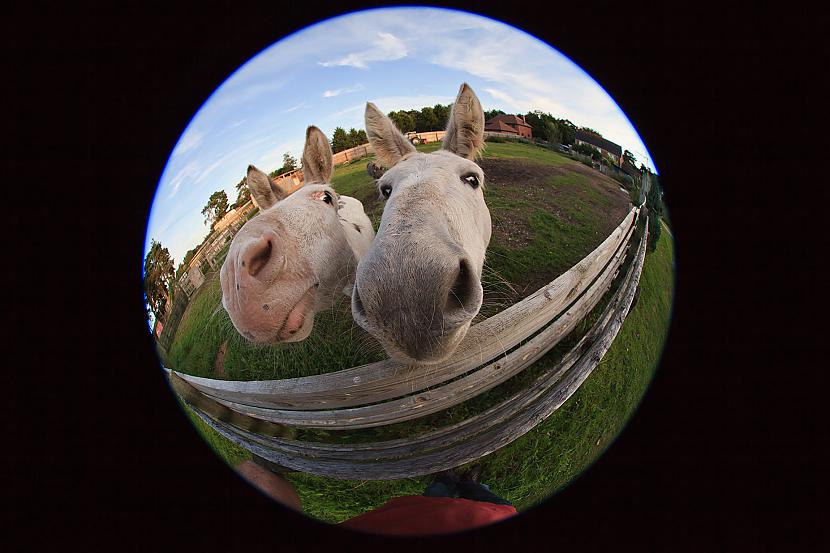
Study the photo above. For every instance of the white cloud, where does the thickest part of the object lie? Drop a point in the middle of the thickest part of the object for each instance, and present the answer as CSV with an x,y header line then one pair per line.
x,y
294,108
347,111
235,93
339,91
176,181
386,47
190,140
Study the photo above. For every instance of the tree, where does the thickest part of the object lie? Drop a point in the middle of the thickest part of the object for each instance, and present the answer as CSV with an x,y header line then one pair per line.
x,y
629,157
289,163
243,193
553,132
442,116
492,113
568,130
590,131
404,120
356,138
216,208
588,150
339,140
654,202
158,278
537,126
425,120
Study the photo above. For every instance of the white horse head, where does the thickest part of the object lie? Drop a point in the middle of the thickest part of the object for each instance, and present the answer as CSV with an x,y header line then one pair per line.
x,y
292,259
419,286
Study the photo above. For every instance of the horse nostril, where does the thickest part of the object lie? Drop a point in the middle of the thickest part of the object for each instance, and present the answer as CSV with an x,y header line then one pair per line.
x,y
462,292
256,255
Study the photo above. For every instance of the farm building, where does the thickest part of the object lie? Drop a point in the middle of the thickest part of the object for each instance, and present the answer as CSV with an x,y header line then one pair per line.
x,y
509,124
604,145
205,258
289,182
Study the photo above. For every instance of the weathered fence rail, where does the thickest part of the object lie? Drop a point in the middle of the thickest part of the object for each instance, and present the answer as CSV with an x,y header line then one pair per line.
x,y
386,392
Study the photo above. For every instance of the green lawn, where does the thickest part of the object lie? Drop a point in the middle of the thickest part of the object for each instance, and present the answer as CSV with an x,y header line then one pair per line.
x,y
565,216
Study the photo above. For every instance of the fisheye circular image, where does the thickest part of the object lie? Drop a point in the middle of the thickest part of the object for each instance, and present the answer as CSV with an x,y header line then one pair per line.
x,y
409,271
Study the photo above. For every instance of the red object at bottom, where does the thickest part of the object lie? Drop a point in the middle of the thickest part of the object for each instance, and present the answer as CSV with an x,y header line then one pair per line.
x,y
418,515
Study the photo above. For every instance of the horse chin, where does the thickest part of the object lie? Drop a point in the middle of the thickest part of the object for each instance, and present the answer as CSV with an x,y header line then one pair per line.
x,y
302,333
299,321
440,352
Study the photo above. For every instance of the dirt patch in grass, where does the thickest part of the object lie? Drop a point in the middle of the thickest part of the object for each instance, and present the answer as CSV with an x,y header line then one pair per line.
x,y
552,188
547,217
219,366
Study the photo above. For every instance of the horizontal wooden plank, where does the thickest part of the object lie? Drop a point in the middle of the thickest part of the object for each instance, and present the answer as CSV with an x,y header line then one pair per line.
x,y
388,379
463,442
195,398
442,397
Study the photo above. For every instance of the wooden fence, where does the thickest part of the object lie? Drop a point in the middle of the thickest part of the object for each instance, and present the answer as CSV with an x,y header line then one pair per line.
x,y
388,392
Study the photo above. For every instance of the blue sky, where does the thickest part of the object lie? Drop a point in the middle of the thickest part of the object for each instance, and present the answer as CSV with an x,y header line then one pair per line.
x,y
400,58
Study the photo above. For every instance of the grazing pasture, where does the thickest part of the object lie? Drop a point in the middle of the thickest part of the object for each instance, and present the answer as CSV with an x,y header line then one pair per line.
x,y
548,212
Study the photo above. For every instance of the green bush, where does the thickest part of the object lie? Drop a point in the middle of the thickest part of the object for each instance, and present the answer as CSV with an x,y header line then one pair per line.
x,y
623,179
587,150
503,139
654,201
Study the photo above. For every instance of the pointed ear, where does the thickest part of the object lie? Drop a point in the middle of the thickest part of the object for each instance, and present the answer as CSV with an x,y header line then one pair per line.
x,y
465,130
317,157
388,142
263,189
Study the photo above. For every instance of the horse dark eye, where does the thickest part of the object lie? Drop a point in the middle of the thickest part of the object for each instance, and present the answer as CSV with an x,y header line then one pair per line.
x,y
386,190
472,180
327,197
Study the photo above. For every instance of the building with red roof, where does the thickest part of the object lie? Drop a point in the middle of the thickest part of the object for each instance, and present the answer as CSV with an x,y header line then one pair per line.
x,y
509,124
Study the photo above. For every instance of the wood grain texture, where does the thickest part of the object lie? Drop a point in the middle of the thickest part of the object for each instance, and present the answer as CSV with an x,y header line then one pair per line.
x,y
388,379
463,442
442,397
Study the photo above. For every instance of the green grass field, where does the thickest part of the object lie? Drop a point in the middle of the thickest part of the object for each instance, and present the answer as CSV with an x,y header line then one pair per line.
x,y
563,211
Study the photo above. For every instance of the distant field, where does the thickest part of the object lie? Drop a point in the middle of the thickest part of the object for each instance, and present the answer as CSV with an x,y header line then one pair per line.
x,y
548,212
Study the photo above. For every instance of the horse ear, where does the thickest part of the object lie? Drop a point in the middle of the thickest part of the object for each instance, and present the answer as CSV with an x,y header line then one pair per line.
x,y
465,129
263,189
317,157
388,142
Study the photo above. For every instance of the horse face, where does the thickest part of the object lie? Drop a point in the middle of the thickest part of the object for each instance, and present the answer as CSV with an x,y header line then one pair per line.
x,y
289,261
419,286
284,265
